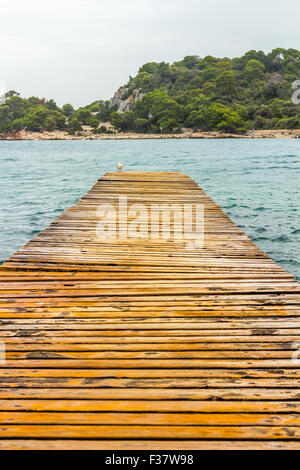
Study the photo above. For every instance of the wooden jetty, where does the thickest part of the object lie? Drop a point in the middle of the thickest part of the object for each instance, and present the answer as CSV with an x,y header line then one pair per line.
x,y
145,344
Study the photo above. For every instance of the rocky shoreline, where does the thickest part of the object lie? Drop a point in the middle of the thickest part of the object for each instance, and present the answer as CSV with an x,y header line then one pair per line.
x,y
87,134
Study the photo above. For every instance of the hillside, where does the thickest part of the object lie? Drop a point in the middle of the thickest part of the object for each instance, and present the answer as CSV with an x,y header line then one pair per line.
x,y
203,94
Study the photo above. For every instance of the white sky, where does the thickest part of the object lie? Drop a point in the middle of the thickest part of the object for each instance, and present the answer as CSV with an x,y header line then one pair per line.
x,y
78,51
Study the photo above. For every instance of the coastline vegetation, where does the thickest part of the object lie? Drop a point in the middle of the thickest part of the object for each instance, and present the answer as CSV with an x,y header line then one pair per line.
x,y
207,94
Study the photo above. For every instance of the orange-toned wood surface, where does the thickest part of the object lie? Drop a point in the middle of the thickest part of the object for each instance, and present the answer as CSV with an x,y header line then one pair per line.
x,y
147,344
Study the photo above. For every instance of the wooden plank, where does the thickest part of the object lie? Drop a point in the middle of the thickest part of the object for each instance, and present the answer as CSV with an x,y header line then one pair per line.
x,y
153,444
149,432
169,406
184,419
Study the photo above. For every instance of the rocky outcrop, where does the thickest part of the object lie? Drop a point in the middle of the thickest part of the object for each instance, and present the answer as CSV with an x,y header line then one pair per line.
x,y
117,98
124,105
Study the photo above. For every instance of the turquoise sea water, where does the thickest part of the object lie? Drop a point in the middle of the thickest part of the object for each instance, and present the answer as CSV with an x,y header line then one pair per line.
x,y
257,182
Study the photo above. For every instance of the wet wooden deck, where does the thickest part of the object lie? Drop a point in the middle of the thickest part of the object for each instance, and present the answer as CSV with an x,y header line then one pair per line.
x,y
145,344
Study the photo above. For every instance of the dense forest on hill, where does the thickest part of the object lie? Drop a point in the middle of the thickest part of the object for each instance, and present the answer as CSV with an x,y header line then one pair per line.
x,y
230,95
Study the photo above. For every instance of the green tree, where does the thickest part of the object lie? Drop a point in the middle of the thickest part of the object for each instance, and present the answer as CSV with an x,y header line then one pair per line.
x,y
74,125
67,109
18,124
59,119
223,118
50,123
159,105
17,106
35,118
50,104
196,120
254,69
189,61
142,125
117,120
83,115
94,122
168,125
5,124
226,83
11,93
105,111
123,122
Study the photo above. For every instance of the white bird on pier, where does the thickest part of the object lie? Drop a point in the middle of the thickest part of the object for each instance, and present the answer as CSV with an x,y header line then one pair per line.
x,y
120,165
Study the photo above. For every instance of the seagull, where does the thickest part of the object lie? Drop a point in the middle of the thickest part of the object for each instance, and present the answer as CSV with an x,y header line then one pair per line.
x,y
120,165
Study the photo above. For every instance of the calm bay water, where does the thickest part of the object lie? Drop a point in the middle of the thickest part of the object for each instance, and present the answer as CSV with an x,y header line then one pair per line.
x,y
257,182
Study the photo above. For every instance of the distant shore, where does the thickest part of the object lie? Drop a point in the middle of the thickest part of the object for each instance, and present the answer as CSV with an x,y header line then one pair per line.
x,y
87,134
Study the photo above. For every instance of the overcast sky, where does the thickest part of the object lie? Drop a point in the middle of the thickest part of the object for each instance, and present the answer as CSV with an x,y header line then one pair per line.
x,y
78,51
